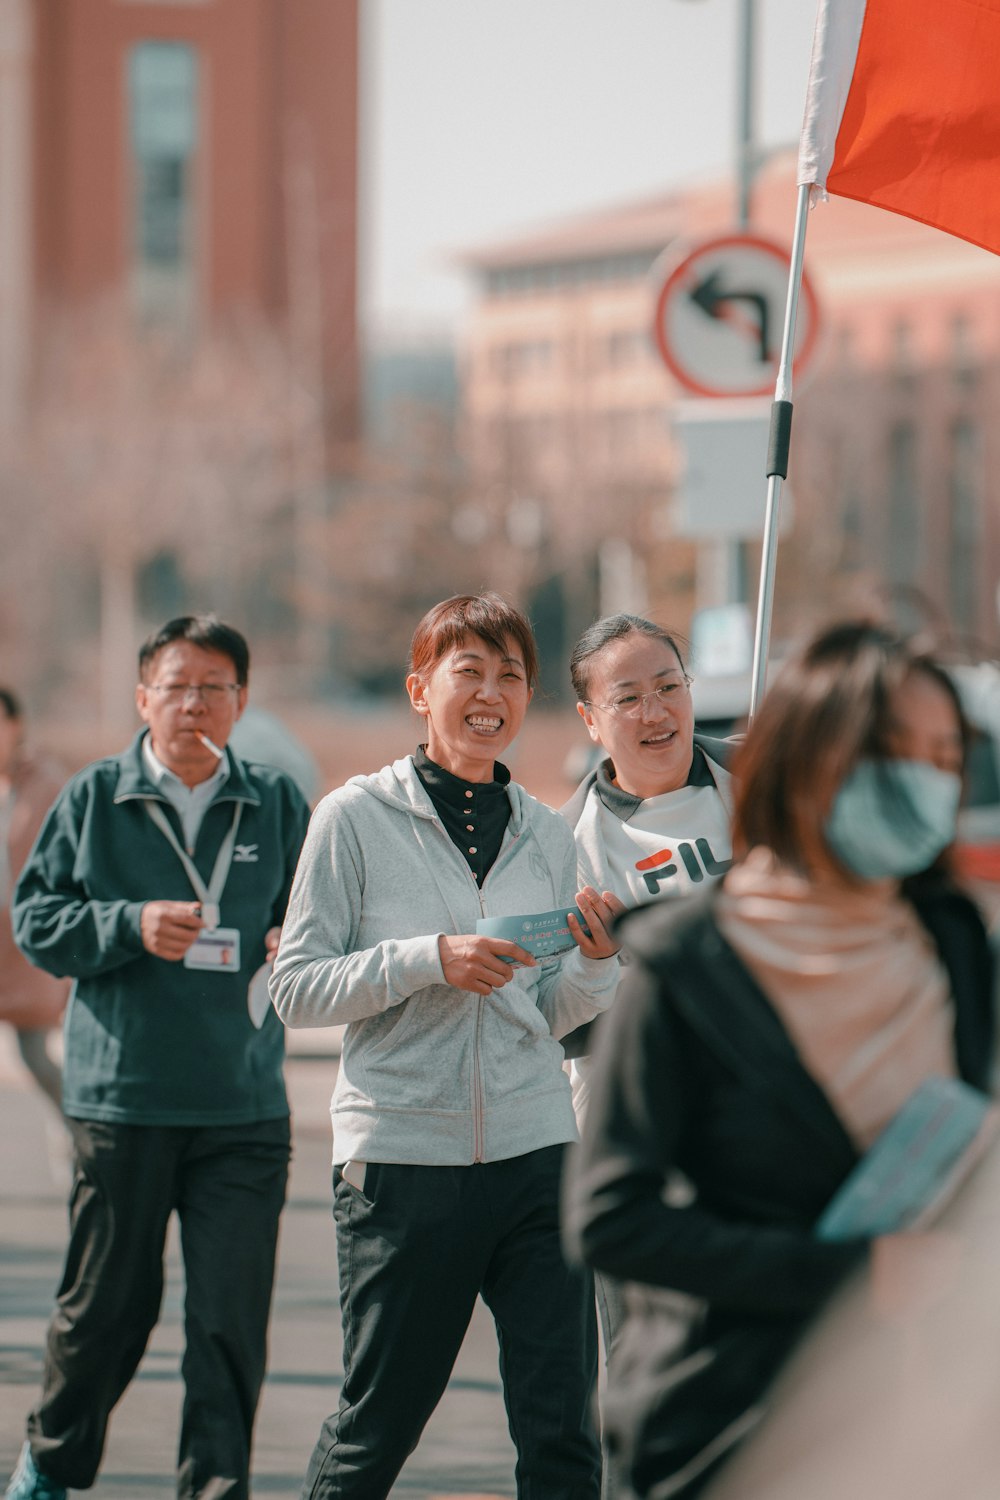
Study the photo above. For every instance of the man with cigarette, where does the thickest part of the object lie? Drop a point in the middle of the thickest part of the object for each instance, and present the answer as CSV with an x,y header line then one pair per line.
x,y
158,883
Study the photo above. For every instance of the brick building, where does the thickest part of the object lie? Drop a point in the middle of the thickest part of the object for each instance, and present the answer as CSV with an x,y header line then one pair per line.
x,y
179,377
198,157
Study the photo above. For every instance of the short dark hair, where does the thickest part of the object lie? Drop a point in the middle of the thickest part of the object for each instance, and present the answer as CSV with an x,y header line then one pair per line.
x,y
206,631
829,708
602,633
490,616
11,703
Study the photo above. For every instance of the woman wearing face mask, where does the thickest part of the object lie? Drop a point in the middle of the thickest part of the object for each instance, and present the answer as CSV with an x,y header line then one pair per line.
x,y
763,1038
451,1110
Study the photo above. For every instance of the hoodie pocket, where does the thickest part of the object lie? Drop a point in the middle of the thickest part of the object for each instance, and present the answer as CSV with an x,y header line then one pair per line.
x,y
425,1060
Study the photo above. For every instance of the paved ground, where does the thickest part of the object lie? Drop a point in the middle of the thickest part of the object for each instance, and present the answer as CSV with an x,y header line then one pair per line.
x,y
465,1450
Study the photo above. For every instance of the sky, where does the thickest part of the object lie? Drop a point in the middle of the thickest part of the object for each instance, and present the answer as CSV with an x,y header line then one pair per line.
x,y
483,118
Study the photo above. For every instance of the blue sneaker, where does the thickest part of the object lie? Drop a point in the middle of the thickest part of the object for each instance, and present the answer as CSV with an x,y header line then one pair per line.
x,y
27,1483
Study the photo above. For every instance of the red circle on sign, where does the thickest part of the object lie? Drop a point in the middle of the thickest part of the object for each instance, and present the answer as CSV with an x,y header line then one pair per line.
x,y
674,285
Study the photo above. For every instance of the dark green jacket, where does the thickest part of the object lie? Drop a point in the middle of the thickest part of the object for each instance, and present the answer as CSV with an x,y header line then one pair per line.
x,y
148,1041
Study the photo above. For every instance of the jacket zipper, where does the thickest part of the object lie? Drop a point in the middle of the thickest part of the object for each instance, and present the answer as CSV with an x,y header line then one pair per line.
x,y
478,1102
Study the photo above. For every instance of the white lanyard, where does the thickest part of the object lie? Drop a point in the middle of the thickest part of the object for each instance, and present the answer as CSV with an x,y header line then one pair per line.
x,y
211,894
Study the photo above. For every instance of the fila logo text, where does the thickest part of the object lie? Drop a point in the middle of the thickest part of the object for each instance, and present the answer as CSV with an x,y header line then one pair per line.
x,y
697,859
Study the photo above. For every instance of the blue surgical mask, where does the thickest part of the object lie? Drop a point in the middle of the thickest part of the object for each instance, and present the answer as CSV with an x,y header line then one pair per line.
x,y
892,818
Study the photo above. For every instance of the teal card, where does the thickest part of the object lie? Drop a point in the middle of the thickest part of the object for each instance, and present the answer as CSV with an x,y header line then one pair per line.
x,y
544,934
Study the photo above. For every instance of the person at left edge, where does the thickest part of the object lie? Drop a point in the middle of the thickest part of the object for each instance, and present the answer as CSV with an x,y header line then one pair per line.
x,y
150,865
451,1112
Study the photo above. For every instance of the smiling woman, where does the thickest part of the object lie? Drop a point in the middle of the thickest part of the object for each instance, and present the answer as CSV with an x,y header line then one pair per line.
x,y
451,1110
653,819
473,690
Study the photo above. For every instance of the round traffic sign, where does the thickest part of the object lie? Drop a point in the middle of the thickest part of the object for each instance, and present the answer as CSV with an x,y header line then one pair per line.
x,y
720,316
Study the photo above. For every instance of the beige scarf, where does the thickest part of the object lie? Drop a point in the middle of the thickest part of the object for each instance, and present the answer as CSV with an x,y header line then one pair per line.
x,y
855,979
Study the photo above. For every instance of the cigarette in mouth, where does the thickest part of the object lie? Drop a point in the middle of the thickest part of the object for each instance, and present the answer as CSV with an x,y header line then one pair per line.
x,y
210,745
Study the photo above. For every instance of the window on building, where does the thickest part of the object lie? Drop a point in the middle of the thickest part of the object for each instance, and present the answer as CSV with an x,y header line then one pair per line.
x,y
904,506
964,522
529,357
163,137
963,349
624,437
628,346
845,347
852,527
903,353
555,275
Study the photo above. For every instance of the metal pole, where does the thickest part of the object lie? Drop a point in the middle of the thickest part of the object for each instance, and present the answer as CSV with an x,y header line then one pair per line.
x,y
727,553
745,147
777,456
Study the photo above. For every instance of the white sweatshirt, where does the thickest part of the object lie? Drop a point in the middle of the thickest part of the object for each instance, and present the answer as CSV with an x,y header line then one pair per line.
x,y
431,1074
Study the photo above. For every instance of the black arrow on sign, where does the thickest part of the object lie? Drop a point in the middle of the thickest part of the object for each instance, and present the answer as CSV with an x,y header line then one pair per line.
x,y
710,297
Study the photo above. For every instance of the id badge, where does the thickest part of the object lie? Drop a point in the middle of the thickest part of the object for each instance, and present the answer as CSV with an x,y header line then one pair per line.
x,y
218,950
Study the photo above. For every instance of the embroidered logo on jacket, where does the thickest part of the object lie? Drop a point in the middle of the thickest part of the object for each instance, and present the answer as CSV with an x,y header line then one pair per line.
x,y
697,859
246,854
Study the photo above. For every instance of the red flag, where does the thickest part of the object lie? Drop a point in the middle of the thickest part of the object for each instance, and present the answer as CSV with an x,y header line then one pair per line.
x,y
903,111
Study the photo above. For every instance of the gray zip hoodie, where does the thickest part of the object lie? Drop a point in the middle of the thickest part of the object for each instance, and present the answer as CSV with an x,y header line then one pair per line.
x,y
431,1074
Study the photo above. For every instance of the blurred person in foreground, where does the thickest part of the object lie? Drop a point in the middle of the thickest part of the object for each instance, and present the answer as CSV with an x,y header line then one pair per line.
x,y
451,1110
764,1036
159,883
652,820
31,1001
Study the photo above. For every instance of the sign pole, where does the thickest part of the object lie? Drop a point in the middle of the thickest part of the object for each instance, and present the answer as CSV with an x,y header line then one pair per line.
x,y
777,457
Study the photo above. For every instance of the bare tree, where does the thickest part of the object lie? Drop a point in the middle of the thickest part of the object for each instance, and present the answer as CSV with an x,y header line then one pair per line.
x,y
140,445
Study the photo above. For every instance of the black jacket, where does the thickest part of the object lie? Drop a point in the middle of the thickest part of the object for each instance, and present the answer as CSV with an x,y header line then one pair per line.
x,y
696,1074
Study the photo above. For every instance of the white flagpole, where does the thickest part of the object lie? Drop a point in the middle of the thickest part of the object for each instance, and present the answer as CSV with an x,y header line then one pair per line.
x,y
777,456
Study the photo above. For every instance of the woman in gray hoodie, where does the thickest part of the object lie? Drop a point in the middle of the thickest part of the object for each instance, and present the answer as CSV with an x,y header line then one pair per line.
x,y
451,1110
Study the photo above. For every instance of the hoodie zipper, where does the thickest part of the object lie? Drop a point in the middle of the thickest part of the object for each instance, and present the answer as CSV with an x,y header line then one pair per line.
x,y
478,1099
478,1103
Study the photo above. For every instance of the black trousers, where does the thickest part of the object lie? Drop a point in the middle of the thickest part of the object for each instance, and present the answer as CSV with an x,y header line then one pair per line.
x,y
227,1185
415,1248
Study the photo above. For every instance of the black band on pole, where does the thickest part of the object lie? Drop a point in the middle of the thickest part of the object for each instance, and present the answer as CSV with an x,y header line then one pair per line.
x,y
779,439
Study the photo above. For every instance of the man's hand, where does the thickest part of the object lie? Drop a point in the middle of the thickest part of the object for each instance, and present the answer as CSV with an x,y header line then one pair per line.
x,y
169,928
480,964
599,910
271,938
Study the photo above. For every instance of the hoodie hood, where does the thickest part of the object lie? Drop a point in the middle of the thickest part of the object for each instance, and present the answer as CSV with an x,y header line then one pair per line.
x,y
399,786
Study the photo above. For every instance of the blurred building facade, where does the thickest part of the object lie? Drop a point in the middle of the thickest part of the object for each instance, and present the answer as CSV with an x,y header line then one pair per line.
x,y
198,156
566,413
179,373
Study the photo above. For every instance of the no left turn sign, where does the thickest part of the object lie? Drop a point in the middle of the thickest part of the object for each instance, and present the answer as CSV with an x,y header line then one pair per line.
x,y
720,315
